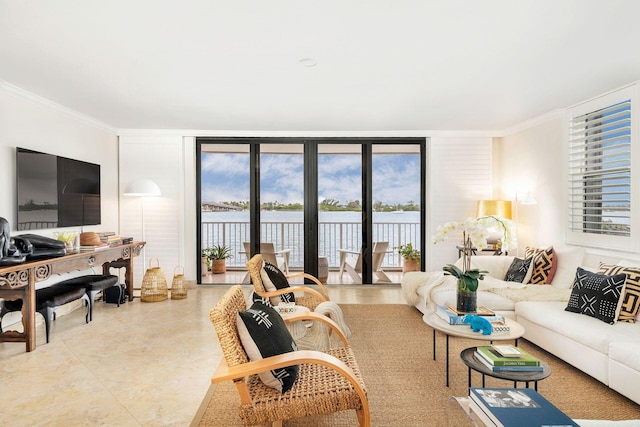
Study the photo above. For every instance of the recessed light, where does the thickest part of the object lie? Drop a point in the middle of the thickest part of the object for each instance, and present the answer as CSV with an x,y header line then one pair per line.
x,y
308,62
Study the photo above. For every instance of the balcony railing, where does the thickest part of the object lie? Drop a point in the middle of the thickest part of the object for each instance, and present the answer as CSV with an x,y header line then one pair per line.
x,y
331,236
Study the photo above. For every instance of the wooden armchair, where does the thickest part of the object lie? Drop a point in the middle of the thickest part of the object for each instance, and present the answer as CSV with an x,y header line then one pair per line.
x,y
310,298
327,381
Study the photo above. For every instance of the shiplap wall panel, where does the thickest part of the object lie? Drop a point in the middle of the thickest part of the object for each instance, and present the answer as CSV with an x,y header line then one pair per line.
x,y
460,174
159,159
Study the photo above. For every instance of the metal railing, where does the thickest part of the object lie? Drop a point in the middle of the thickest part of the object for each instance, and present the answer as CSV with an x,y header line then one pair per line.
x,y
290,235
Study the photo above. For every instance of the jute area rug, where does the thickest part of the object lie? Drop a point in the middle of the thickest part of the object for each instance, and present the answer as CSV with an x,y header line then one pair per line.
x,y
406,387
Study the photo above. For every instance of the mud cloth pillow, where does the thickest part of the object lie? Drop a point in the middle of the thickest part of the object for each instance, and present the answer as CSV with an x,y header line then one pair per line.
x,y
519,271
274,279
631,297
543,265
597,295
263,334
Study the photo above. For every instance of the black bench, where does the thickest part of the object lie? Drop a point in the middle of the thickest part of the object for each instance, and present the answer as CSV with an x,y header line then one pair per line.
x,y
47,299
92,284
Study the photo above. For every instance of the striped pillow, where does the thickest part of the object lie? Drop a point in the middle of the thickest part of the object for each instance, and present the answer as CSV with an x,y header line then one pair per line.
x,y
631,297
543,265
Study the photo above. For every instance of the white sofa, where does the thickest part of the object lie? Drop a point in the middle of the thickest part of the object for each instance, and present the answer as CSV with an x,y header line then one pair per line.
x,y
609,353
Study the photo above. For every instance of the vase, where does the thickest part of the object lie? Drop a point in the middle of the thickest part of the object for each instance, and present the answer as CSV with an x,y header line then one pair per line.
x,y
466,301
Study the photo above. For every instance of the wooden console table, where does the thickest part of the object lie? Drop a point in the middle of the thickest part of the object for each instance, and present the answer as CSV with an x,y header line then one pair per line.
x,y
19,281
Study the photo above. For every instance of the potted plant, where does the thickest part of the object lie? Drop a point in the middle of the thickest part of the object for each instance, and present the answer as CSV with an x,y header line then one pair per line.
x,y
216,258
474,235
411,257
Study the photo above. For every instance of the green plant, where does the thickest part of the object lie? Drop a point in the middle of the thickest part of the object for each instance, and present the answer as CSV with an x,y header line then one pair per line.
x,y
467,280
217,252
408,252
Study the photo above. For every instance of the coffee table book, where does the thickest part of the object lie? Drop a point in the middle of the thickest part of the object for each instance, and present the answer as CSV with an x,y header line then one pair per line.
x,y
453,318
522,407
491,355
480,311
508,368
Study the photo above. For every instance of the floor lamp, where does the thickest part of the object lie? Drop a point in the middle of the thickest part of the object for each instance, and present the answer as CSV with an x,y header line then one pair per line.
x,y
142,188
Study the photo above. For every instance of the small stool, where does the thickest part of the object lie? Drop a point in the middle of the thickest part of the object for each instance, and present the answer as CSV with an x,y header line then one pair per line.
x,y
92,284
47,299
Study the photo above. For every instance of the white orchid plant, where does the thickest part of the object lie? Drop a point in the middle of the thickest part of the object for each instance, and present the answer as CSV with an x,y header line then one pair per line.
x,y
474,235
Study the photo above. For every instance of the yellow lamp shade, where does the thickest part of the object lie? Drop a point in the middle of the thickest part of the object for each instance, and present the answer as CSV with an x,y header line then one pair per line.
x,y
501,208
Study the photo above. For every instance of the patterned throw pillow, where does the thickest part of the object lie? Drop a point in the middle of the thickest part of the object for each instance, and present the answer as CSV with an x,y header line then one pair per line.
x,y
274,279
519,270
631,297
543,267
597,295
263,334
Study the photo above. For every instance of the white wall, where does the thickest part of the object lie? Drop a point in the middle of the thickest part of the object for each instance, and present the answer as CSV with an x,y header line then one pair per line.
x,y
31,122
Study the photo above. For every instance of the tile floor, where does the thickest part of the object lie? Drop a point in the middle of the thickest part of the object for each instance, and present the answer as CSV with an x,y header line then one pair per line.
x,y
140,364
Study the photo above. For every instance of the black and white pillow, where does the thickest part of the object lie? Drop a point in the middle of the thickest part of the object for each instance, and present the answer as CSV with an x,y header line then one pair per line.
x,y
519,270
597,295
255,297
263,334
274,279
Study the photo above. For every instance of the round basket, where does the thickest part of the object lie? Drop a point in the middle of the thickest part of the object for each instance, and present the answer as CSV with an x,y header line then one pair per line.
x,y
178,285
154,284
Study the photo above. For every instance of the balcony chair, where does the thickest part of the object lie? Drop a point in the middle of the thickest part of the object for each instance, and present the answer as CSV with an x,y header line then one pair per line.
x,y
327,382
351,262
310,297
268,252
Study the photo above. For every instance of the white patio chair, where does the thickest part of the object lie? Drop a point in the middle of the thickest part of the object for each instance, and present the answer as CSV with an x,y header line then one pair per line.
x,y
351,262
270,255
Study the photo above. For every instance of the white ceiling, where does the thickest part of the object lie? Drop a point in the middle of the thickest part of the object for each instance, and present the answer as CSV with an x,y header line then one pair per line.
x,y
381,65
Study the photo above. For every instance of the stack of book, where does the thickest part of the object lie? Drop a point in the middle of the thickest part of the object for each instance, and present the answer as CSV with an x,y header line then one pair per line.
x,y
453,317
507,358
522,407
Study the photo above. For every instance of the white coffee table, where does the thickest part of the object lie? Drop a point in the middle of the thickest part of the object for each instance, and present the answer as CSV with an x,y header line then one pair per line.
x,y
432,319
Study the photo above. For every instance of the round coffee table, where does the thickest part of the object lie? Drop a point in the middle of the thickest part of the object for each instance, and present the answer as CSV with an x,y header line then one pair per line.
x,y
432,319
469,358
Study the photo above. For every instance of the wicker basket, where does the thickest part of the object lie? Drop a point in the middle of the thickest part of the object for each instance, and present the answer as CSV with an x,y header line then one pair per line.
x,y
178,286
154,284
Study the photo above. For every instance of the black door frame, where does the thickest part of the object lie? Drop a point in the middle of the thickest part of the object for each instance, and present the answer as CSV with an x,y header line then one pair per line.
x,y
311,192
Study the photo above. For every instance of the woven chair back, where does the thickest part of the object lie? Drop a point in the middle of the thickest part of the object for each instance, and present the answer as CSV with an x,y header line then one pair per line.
x,y
254,265
224,316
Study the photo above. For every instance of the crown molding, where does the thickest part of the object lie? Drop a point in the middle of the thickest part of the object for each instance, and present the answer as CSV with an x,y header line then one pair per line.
x,y
536,121
37,99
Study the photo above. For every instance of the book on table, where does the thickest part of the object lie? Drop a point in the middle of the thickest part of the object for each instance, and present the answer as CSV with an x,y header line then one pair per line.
x,y
507,368
492,356
522,407
446,314
480,311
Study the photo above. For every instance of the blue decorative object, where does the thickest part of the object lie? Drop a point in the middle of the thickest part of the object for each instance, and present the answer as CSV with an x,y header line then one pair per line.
x,y
478,323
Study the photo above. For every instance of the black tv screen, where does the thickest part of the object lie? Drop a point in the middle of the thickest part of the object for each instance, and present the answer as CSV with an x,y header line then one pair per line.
x,y
55,191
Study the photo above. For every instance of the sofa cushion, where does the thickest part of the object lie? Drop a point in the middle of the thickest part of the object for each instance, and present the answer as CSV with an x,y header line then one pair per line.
x,y
519,270
543,269
585,330
567,260
263,334
626,352
631,297
597,295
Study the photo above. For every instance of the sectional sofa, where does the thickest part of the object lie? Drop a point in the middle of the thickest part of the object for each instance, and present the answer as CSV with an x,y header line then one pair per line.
x,y
608,352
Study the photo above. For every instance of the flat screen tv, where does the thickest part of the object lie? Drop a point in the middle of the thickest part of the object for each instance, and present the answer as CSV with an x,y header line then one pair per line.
x,y
55,191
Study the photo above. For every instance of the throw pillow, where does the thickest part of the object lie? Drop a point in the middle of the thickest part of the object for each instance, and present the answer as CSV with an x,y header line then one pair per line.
x,y
597,295
542,265
263,334
255,297
631,297
274,279
519,271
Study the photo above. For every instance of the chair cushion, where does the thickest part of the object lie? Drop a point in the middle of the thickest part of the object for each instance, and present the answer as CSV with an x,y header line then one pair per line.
x,y
263,334
597,295
274,279
52,296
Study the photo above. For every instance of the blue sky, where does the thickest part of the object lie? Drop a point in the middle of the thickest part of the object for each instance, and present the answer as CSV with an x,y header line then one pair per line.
x,y
225,177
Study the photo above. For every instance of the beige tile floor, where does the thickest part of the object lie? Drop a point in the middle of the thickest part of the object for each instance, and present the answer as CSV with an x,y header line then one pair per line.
x,y
140,364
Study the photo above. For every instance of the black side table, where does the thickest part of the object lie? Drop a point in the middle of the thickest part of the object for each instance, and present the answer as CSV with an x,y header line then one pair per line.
x,y
468,358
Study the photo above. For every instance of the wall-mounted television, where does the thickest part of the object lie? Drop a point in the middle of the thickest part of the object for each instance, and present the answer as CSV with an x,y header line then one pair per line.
x,y
55,191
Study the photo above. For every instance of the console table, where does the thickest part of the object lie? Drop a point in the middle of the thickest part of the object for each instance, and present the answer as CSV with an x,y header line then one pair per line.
x,y
19,281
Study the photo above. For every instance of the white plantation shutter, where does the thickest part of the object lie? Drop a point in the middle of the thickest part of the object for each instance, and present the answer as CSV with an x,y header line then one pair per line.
x,y
600,201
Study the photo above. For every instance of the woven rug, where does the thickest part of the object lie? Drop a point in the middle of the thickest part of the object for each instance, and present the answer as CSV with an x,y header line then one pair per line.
x,y
406,387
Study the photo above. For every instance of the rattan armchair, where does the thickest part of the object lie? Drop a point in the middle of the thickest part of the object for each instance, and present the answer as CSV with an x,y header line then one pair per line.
x,y
327,381
310,297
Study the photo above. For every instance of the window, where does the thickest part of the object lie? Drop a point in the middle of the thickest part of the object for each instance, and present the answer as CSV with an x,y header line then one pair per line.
x,y
600,172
